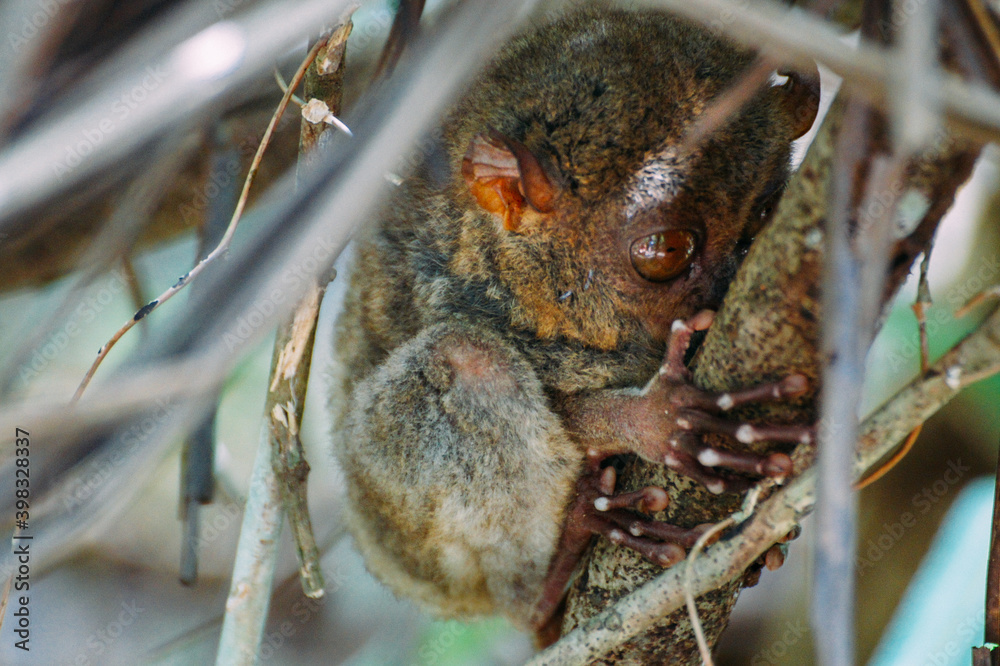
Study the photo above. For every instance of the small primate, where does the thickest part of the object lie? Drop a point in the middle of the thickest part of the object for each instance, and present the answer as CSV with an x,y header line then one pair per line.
x,y
521,311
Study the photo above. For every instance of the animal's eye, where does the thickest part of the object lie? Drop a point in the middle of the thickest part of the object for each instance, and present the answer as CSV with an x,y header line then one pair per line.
x,y
663,256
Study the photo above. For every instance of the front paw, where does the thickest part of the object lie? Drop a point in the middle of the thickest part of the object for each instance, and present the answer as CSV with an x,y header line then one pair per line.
x,y
682,412
622,517
597,508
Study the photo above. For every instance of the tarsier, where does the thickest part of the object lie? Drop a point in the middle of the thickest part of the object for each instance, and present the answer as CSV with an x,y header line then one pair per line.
x,y
521,313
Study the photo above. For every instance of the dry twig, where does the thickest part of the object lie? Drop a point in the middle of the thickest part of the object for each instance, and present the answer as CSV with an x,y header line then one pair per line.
x,y
223,245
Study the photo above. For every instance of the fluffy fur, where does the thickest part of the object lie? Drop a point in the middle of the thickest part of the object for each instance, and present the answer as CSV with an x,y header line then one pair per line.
x,y
459,339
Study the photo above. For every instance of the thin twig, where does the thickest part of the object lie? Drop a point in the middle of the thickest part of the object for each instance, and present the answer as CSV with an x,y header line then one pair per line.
x,y
727,105
884,469
981,297
970,378
294,343
987,23
253,573
280,80
703,647
227,238
285,404
844,337
749,504
800,39
992,621
280,472
115,240
875,240
920,305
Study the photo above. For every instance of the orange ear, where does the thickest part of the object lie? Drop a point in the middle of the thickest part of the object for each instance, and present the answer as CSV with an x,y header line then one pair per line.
x,y
800,98
503,176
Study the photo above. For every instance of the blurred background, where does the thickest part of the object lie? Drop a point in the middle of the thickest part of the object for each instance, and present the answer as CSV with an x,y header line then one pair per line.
x,y
116,598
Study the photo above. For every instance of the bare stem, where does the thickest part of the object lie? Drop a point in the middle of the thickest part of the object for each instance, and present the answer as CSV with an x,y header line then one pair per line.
x,y
294,344
285,405
280,450
227,238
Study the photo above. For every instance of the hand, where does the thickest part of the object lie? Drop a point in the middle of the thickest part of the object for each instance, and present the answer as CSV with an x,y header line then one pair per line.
x,y
679,412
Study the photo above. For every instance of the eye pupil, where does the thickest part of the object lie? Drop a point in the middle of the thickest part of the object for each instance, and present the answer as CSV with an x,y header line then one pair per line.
x,y
663,256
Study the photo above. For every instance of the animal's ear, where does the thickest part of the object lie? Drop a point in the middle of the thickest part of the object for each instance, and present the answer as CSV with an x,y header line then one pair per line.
x,y
503,176
799,96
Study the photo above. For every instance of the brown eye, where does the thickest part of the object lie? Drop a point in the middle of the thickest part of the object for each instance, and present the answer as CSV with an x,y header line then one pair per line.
x,y
663,256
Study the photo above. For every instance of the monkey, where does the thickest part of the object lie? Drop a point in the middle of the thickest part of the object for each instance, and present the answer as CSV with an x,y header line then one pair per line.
x,y
520,313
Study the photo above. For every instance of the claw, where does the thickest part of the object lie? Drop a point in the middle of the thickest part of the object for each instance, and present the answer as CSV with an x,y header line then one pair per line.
x,y
775,556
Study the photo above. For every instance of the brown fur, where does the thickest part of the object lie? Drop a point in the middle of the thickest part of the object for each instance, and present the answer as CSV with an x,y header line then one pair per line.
x,y
459,337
